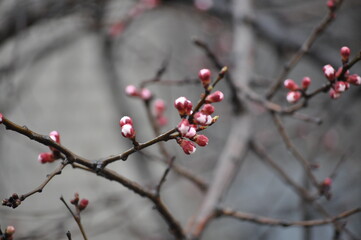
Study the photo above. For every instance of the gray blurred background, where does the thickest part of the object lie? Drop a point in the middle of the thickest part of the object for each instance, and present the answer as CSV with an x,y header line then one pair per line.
x,y
60,69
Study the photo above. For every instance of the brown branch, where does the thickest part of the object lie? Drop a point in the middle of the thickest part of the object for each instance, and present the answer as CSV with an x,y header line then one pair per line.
x,y
317,31
287,141
226,212
111,175
76,218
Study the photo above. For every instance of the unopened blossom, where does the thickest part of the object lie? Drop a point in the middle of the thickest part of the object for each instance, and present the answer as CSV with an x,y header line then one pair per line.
x,y
159,107
128,131
183,127
205,77
46,157
293,97
207,109
145,94
345,54
187,146
83,204
306,82
10,230
334,94
329,72
290,84
183,105
202,119
354,79
217,96
55,136
340,86
201,140
131,90
192,131
125,120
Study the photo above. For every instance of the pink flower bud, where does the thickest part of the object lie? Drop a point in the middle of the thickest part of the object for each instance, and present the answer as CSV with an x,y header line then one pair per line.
x,y
145,94
354,79
201,140
205,77
1,118
327,182
183,105
217,96
159,107
202,119
192,131
183,127
306,81
339,86
331,4
46,157
290,84
334,94
55,136
10,230
329,72
131,90
187,146
293,97
128,131
345,54
83,204
207,109
162,120
125,120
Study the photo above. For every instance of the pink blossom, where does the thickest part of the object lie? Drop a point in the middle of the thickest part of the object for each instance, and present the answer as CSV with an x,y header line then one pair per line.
x,y
334,94
128,131
217,96
46,157
293,97
306,81
207,109
187,146
340,86
145,94
183,105
125,120
202,119
201,140
131,90
205,77
290,84
329,72
354,79
345,53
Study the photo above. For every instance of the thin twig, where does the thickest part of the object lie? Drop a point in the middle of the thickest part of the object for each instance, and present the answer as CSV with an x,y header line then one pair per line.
x,y
225,212
163,179
68,234
76,218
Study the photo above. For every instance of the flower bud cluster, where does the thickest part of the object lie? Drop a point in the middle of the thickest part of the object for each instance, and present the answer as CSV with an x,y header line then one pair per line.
x,y
79,204
192,122
143,93
8,233
126,125
159,109
295,92
14,201
54,154
340,80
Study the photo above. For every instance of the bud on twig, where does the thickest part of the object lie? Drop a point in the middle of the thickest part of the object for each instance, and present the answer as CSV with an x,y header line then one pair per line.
x,y
83,204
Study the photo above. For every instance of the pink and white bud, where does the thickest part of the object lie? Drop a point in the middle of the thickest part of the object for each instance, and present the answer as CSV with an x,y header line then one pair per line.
x,y
202,119
207,109
345,54
83,204
46,157
145,94
339,86
201,140
10,230
217,96
55,136
334,94
205,77
162,120
131,90
306,82
329,72
187,146
159,107
128,131
354,79
192,131
183,127
1,118
290,84
125,120
183,105
293,97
